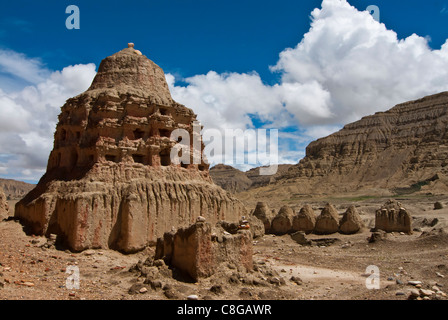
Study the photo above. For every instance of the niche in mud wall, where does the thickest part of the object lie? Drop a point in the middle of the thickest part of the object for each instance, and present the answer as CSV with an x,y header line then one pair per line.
x,y
73,158
139,158
138,134
165,133
111,157
63,135
164,111
165,159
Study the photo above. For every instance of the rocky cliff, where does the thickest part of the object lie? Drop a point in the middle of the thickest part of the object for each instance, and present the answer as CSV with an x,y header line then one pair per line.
x,y
234,180
404,149
110,181
15,190
4,207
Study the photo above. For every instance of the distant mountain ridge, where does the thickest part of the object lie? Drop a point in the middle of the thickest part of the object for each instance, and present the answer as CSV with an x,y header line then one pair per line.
x,y
399,151
234,180
15,190
403,148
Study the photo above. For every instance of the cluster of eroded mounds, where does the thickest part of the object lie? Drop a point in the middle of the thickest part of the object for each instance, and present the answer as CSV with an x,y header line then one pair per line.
x,y
391,217
213,251
328,222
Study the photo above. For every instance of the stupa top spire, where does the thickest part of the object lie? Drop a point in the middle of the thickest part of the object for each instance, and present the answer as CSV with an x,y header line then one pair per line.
x,y
130,72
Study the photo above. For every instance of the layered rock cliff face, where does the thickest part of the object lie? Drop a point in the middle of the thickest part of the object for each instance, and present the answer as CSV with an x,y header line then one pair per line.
x,y
234,180
4,207
110,181
403,148
15,190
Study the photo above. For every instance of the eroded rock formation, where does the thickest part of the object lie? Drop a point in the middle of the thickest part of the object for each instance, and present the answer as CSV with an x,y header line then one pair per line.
x,y
4,207
392,217
110,181
328,221
15,190
305,220
351,221
403,149
282,223
235,181
199,249
265,214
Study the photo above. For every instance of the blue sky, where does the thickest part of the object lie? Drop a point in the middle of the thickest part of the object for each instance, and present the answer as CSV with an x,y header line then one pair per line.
x,y
191,37
222,49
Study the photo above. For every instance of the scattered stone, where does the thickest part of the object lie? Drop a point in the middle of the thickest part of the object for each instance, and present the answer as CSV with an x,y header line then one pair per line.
x,y
398,281
440,275
438,205
193,297
143,290
300,238
377,236
135,288
435,288
89,252
296,280
246,294
414,283
217,289
27,284
428,293
276,280
400,293
171,294
432,223
200,219
154,283
414,293
346,245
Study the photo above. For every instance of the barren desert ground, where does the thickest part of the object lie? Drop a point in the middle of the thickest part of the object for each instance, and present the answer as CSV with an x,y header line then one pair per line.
x,y
335,269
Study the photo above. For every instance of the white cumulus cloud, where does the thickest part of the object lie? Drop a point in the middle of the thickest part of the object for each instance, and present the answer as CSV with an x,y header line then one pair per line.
x,y
359,65
29,115
346,66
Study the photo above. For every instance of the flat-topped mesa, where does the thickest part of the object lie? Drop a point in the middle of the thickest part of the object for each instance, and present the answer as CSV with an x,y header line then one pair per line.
x,y
110,180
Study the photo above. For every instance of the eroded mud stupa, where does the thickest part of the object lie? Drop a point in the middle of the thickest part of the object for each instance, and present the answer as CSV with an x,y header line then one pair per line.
x,y
110,181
